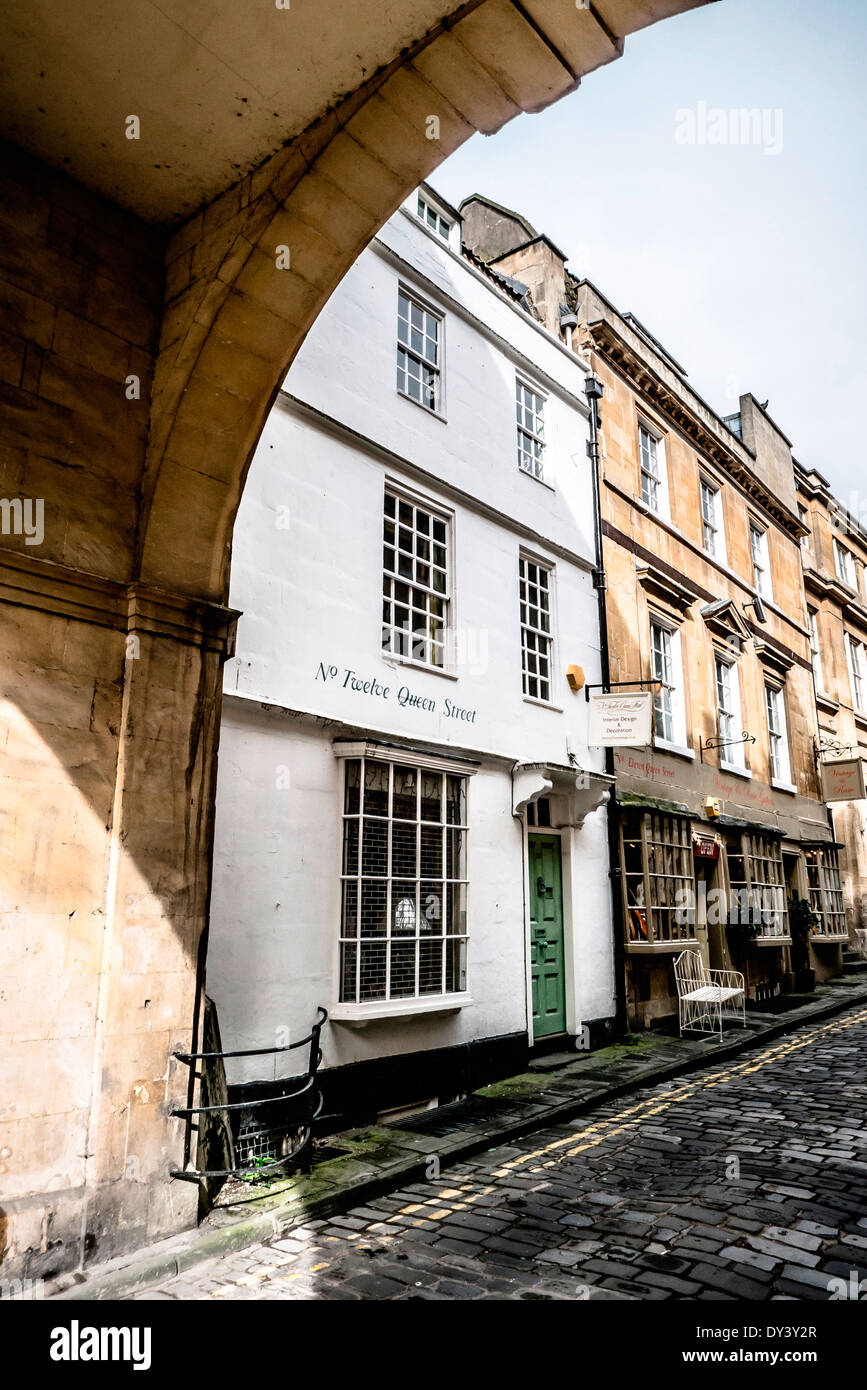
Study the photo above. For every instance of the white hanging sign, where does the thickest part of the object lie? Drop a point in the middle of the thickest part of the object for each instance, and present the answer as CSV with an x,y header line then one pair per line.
x,y
619,721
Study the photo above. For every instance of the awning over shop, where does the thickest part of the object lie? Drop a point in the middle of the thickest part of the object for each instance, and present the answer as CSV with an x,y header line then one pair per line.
x,y
578,790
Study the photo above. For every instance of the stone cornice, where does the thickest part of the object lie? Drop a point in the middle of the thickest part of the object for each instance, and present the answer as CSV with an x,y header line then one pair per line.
x,y
729,454
28,582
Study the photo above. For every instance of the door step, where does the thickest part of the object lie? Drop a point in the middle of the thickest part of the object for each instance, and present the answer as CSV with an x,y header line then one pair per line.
x,y
554,1061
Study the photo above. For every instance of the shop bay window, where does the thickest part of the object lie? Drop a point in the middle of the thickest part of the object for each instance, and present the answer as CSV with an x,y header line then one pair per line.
x,y
758,887
657,879
826,893
403,931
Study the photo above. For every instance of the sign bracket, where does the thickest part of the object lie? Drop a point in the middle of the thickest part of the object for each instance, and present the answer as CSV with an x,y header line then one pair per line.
x,y
608,686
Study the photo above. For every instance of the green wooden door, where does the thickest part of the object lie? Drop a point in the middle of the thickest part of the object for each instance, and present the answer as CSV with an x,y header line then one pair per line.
x,y
546,936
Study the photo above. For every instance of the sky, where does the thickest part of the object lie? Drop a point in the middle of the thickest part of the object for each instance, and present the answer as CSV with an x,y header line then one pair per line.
x,y
745,260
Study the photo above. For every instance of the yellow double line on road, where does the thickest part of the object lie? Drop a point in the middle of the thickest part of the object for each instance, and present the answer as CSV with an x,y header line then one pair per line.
x,y
442,1205
635,1115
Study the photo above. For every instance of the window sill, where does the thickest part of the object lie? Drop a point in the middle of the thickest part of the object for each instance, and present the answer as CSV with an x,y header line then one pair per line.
x,y
676,748
765,941
357,1015
735,770
651,948
542,704
428,410
397,662
784,786
525,472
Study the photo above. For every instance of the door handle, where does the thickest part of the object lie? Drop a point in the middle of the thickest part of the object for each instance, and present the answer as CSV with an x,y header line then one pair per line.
x,y
543,889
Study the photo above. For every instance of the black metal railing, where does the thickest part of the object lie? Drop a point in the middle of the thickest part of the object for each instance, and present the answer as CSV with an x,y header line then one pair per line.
x,y
289,1117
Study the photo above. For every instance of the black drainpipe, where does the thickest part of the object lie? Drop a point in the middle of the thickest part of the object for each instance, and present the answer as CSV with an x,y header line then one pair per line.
x,y
593,390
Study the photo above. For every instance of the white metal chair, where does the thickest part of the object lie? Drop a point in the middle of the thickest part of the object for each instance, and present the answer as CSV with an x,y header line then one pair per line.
x,y
702,995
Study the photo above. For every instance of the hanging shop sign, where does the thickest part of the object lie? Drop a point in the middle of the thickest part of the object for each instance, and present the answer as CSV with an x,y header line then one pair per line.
x,y
619,721
843,780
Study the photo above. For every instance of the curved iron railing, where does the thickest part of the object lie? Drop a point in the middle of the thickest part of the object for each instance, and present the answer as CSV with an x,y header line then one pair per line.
x,y
292,1112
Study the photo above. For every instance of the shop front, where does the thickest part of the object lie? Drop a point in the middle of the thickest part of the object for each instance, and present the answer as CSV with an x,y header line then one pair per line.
x,y
749,877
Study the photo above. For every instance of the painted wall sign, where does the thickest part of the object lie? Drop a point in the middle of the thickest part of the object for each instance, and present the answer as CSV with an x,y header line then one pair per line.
x,y
843,780
403,695
619,721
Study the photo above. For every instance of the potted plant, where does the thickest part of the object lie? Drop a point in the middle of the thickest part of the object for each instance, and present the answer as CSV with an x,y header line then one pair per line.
x,y
802,919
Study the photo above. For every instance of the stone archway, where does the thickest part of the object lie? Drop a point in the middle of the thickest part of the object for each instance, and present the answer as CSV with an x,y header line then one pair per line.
x,y
115,634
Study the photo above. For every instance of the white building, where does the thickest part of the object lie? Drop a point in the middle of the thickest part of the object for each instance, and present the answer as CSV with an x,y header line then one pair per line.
x,y
414,567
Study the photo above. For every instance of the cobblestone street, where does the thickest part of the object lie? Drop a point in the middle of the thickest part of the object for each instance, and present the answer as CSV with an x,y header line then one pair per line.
x,y
742,1181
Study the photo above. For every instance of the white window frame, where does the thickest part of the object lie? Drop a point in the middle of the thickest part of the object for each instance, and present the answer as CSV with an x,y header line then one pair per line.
x,y
406,353
392,759
815,649
537,642
669,700
530,427
653,487
844,564
778,737
856,655
423,643
714,524
431,215
730,723
761,562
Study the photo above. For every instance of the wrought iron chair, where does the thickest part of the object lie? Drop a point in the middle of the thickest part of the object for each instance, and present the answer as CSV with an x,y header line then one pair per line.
x,y
704,996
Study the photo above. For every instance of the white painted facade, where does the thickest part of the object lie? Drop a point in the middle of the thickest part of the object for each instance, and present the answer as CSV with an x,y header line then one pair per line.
x,y
310,671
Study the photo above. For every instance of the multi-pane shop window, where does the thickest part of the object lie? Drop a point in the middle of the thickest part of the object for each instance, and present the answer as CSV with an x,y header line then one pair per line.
x,y
729,721
652,465
777,734
758,884
415,582
432,217
711,520
657,879
815,649
530,412
826,891
419,348
403,932
761,564
857,671
845,564
536,582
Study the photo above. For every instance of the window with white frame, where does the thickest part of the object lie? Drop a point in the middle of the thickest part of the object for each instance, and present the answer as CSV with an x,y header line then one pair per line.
x,y
432,217
415,581
653,481
419,351
778,739
826,891
530,413
403,925
729,721
536,584
845,564
713,534
668,706
815,649
857,671
807,540
761,562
